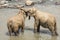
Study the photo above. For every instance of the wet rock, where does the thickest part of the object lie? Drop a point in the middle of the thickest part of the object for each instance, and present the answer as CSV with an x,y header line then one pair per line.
x,y
4,6
18,6
29,3
15,6
42,1
57,3
3,2
0,6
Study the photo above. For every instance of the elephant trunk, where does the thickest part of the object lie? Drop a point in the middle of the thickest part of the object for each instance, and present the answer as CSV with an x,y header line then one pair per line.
x,y
29,18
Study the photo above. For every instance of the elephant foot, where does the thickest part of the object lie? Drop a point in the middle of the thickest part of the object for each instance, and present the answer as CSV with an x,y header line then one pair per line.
x,y
10,33
55,34
22,30
16,34
35,31
38,31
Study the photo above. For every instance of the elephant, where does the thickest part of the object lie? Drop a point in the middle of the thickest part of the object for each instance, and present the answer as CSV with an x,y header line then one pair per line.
x,y
16,22
44,19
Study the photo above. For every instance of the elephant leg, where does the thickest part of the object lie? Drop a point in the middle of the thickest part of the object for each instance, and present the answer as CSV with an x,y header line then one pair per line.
x,y
10,30
38,27
15,29
22,28
53,30
29,18
35,26
56,33
18,29
16,34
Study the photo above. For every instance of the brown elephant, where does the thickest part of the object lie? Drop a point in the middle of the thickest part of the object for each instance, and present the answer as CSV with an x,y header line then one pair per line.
x,y
43,19
16,22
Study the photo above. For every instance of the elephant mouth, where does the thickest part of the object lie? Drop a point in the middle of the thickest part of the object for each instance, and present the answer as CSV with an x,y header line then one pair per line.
x,y
27,15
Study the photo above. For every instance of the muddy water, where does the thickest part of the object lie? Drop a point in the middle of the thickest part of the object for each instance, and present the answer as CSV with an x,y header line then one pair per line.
x,y
28,32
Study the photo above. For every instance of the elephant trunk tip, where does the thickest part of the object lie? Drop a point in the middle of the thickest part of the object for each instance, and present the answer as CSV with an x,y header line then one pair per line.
x,y
29,18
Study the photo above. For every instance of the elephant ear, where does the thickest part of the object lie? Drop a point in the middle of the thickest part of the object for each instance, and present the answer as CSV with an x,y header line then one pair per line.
x,y
23,9
34,9
26,12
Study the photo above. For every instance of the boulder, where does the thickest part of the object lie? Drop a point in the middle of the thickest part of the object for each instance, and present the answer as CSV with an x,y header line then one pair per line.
x,y
29,3
57,3
3,2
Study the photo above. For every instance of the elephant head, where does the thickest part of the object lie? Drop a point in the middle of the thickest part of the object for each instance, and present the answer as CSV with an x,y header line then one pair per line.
x,y
31,11
26,12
